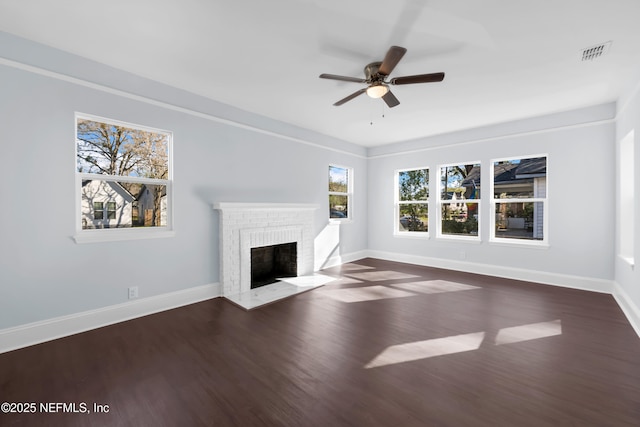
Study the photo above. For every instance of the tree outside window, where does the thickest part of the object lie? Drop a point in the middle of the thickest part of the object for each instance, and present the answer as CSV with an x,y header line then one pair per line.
x,y
339,192
459,200
124,168
412,201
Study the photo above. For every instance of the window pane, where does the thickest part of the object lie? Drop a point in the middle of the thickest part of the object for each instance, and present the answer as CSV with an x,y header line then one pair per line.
x,y
520,220
520,178
338,179
338,206
150,203
98,210
111,210
413,185
460,182
414,217
460,218
104,148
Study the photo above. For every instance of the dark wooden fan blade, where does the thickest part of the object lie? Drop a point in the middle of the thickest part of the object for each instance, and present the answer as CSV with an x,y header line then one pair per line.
x,y
420,78
350,97
390,99
342,78
391,59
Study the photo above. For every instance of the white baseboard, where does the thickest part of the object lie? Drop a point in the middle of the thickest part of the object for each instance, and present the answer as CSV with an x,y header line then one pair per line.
x,y
47,330
564,280
629,309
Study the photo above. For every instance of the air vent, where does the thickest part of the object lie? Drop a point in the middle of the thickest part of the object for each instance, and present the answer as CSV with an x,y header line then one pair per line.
x,y
594,52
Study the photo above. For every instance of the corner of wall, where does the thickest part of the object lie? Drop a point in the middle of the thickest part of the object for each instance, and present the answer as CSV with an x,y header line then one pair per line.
x,y
627,306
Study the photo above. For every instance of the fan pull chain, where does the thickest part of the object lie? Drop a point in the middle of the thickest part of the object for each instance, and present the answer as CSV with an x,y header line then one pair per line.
x,y
371,112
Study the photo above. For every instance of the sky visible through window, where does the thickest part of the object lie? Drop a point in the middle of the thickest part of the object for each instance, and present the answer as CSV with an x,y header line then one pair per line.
x,y
338,179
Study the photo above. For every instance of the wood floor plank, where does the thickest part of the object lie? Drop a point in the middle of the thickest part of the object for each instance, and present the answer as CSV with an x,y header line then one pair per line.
x,y
385,344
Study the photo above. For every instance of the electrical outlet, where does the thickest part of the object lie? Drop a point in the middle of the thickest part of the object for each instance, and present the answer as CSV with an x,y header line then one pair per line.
x,y
133,292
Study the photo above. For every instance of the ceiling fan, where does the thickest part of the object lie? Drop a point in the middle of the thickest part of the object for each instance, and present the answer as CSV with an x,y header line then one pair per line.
x,y
376,74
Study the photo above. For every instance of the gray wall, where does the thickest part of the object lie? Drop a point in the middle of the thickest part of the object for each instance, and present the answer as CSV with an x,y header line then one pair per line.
x,y
45,274
581,183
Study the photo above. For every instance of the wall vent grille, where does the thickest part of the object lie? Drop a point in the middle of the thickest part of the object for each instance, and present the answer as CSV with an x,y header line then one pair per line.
x,y
594,52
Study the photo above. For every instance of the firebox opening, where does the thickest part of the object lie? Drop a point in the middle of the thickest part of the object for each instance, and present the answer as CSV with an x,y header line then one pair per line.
x,y
269,263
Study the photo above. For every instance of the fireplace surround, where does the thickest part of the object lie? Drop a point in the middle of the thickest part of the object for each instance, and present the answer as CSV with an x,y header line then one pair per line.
x,y
244,226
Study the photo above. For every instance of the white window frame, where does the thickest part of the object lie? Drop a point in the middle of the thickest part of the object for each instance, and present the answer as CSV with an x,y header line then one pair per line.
x,y
396,183
117,234
626,199
544,243
440,203
349,193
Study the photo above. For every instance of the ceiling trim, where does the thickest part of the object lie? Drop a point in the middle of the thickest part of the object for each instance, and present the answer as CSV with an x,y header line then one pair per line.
x,y
166,105
493,138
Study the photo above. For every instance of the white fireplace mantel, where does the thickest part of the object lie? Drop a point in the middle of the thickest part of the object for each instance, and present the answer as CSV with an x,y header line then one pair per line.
x,y
247,225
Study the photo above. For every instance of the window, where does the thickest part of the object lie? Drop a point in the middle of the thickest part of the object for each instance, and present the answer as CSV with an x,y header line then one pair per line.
x,y
412,201
123,175
340,192
519,200
459,200
98,210
111,210
626,201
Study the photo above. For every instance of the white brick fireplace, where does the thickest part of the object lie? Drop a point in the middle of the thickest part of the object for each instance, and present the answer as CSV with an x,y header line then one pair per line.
x,y
249,225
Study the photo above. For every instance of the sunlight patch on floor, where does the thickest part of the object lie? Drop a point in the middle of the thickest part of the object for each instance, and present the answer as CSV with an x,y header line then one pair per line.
x,y
434,286
366,293
284,288
306,281
529,332
376,276
424,349
354,267
346,281
461,343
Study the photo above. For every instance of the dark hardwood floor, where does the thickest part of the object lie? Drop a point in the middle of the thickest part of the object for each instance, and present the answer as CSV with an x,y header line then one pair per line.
x,y
387,344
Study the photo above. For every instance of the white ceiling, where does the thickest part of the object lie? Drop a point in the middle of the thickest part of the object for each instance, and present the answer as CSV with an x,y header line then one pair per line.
x,y
503,59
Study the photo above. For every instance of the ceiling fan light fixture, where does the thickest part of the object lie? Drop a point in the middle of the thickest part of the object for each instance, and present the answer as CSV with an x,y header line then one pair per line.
x,y
377,90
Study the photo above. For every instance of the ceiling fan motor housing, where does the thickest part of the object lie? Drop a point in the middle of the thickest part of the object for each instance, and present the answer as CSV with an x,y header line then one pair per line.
x,y
371,72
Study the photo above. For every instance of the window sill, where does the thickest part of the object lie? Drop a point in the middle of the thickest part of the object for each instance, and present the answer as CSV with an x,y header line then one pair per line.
x,y
115,235
340,220
467,239
412,235
519,243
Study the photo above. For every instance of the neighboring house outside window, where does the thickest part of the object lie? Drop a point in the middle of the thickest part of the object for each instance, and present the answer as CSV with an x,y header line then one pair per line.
x,y
111,202
459,202
519,200
412,202
121,168
340,192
